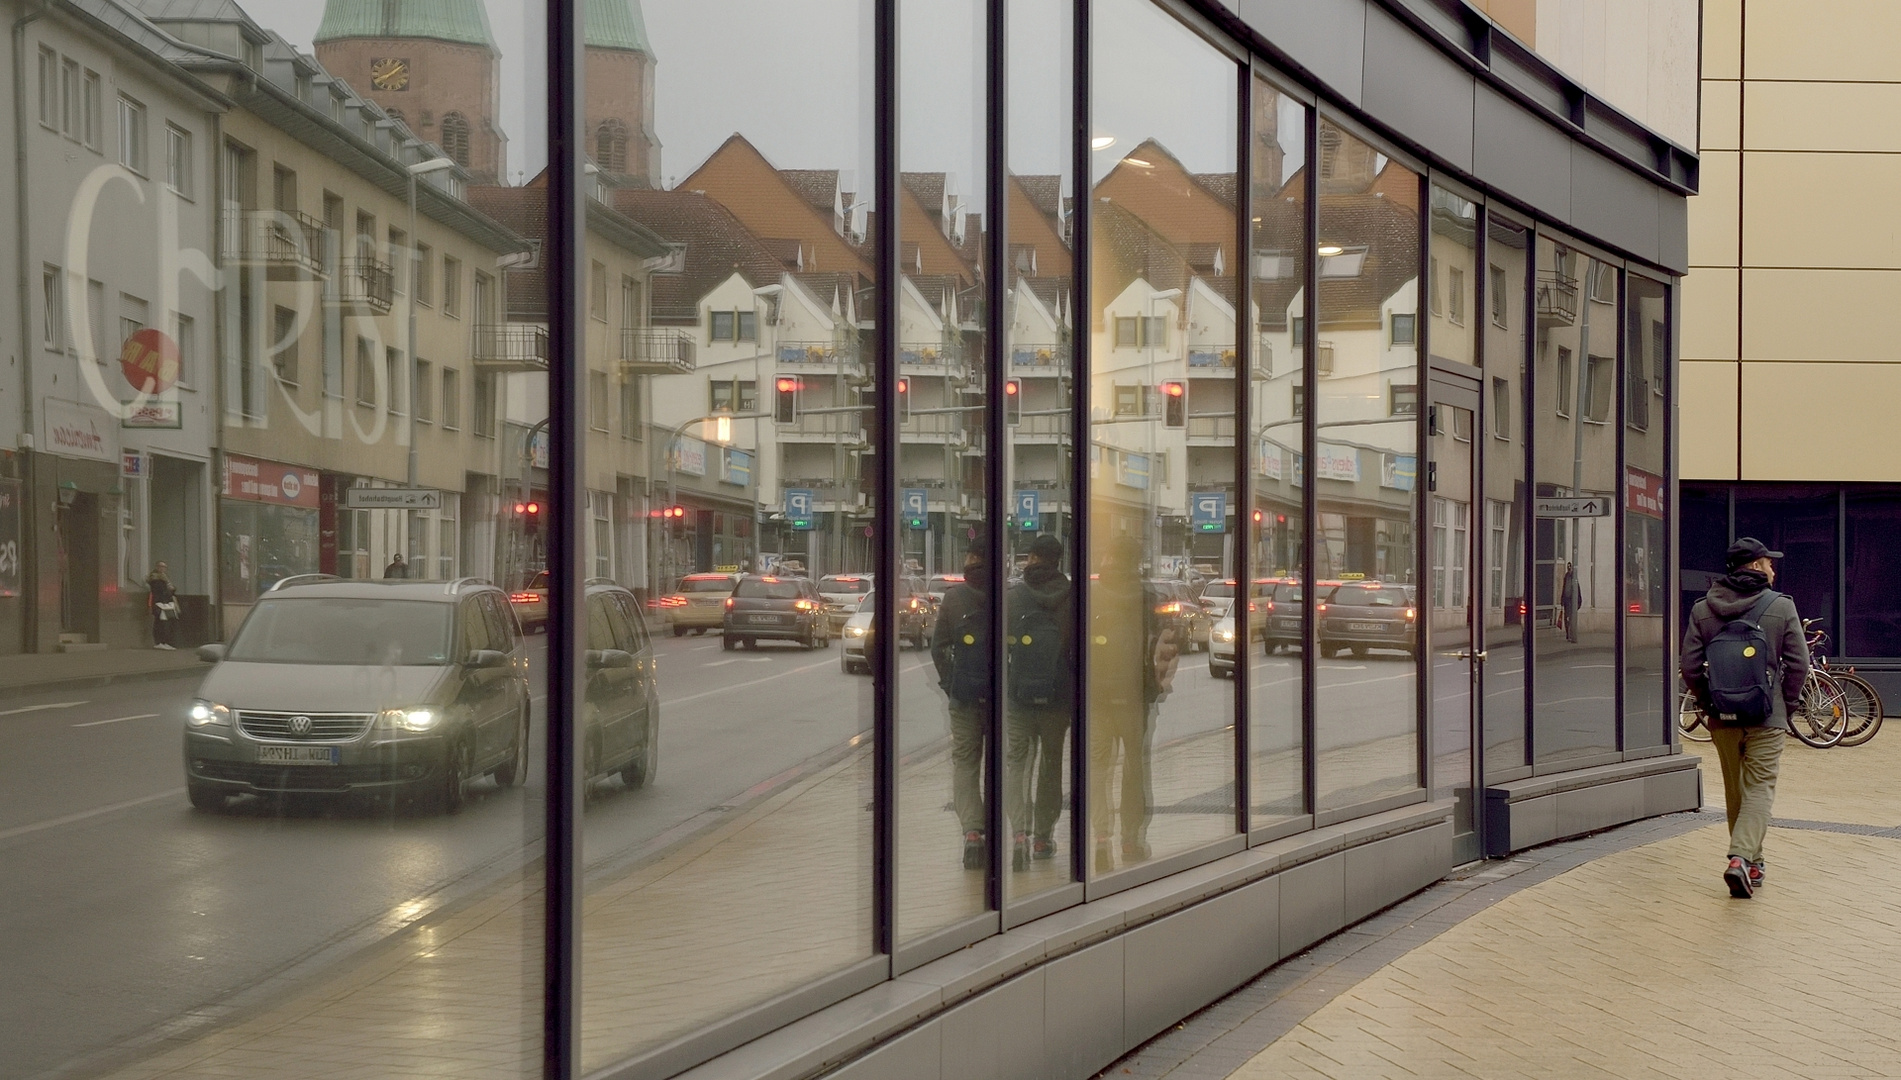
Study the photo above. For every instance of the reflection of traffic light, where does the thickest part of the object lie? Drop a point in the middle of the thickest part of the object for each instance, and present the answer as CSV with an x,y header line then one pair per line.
x,y
1013,402
1175,404
785,400
676,516
530,515
1259,517
904,400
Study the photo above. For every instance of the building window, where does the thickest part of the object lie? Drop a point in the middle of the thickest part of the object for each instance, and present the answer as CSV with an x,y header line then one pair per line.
x,y
1300,331
397,255
733,325
1564,381
1402,399
447,535
185,332
425,387
455,138
96,319
1455,295
451,399
365,372
630,313
1499,304
1405,329
284,344
597,400
1502,410
393,374
69,98
597,291
283,189
49,88
452,287
1598,385
53,303
733,395
482,410
1142,331
132,135
425,264
1636,391
90,109
1133,399
178,160
1435,297
610,146
1300,401
630,407
1659,355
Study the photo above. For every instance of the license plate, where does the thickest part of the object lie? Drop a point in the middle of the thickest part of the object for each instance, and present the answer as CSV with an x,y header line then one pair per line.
x,y
1367,626
296,755
762,618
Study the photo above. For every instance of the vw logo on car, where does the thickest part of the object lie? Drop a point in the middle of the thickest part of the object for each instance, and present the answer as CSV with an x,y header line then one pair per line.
x,y
300,725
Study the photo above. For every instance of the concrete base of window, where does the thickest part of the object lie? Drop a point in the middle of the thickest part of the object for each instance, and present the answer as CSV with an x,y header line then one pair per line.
x,y
1539,809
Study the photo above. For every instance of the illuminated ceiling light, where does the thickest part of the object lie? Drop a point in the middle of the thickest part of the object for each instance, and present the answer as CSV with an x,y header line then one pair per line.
x,y
1102,142
1327,251
1137,162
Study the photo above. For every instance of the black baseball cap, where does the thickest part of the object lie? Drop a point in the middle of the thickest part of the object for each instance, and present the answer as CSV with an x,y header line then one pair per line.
x,y
1747,550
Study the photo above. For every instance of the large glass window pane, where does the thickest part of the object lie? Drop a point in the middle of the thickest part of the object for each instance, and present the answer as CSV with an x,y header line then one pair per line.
x,y
1798,520
1507,322
1575,586
945,594
1040,695
1277,266
1367,419
1873,616
316,853
743,869
1647,512
1162,461
1455,507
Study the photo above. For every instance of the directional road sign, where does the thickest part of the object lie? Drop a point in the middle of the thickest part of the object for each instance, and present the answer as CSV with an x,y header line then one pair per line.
x,y
798,508
389,498
1595,506
915,508
1208,511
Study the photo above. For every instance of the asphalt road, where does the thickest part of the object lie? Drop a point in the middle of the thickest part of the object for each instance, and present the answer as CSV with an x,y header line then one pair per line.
x,y
125,914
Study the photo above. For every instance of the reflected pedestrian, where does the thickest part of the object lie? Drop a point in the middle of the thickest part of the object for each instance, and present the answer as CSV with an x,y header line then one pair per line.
x,y
1131,662
1745,658
397,568
1570,598
1041,637
960,649
162,598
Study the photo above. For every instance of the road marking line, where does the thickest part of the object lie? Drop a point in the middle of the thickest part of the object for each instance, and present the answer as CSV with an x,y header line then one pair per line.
x,y
743,685
43,708
69,819
118,719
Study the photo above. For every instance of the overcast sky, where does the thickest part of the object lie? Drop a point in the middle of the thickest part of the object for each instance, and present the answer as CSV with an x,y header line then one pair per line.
x,y
794,77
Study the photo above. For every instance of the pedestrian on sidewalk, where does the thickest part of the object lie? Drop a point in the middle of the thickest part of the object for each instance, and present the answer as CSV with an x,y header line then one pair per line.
x,y
1745,658
397,568
1041,637
1570,599
162,599
960,649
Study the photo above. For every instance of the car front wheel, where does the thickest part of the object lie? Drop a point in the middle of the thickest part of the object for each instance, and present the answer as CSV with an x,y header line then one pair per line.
x,y
510,772
455,773
205,796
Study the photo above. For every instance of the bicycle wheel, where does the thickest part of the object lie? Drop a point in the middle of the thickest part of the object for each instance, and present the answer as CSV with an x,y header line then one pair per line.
x,y
1690,720
1820,717
1863,704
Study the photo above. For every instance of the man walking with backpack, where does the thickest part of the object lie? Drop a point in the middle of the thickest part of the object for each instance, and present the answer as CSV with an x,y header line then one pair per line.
x,y
1041,642
1745,659
960,648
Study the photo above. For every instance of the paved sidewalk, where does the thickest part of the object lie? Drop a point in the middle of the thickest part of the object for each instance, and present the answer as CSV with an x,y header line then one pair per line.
x,y
1618,955
48,671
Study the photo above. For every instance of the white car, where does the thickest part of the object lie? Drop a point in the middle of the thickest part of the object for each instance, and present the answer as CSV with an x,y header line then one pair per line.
x,y
855,658
843,593
1221,648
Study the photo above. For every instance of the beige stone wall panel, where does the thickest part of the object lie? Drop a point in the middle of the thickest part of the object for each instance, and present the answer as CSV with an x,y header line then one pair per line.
x,y
1722,127
1715,212
1808,421
1706,425
1833,315
1841,40
1827,116
1709,314
1722,39
1822,210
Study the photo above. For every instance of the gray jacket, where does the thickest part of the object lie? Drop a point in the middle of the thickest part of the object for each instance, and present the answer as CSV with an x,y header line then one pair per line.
x,y
1729,598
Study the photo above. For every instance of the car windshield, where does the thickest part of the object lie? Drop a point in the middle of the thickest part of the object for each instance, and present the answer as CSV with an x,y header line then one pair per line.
x,y
1367,596
1288,591
365,631
767,589
1219,590
704,585
540,581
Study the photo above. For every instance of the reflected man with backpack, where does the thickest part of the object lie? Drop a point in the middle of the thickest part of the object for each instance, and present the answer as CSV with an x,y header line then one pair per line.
x,y
1745,658
1041,641
960,649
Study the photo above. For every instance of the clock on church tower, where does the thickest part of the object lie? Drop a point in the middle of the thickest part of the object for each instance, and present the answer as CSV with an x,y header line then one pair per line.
x,y
389,73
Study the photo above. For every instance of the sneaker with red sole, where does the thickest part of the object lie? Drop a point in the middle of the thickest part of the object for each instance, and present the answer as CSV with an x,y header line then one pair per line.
x,y
1736,876
1756,873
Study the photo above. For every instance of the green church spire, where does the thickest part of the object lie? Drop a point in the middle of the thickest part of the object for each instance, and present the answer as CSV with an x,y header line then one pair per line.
x,y
461,21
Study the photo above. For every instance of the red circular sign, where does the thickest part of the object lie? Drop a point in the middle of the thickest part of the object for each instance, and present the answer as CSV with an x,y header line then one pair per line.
x,y
150,361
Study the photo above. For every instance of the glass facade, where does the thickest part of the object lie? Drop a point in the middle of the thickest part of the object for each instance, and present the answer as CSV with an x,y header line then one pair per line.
x,y
879,493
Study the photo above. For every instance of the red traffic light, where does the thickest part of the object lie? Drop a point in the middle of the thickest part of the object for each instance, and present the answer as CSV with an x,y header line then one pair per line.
x,y
1259,517
786,386
1012,387
904,386
676,511
1174,389
528,508
534,508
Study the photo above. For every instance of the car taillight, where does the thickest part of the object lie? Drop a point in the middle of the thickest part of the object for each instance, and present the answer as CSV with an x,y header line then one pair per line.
x,y
1321,608
729,603
673,601
803,605
523,598
1270,607
1411,613
914,604
1251,606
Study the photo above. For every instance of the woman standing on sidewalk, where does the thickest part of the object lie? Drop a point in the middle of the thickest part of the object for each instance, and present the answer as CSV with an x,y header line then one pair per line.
x,y
163,599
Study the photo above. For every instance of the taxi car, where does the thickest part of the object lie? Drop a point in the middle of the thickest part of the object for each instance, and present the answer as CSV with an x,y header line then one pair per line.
x,y
699,604
1363,615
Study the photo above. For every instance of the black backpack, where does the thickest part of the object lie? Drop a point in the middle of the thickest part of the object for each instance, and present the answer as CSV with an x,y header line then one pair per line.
x,y
1036,656
969,679
1742,666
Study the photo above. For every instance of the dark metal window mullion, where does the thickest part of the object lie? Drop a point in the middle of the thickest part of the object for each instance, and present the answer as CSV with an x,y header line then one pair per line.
x,y
999,509
564,249
885,555
1309,440
1620,522
1528,544
1242,607
1081,440
1422,494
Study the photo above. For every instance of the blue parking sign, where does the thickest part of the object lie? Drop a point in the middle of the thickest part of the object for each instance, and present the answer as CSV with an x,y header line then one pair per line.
x,y
1028,513
798,508
915,508
1208,511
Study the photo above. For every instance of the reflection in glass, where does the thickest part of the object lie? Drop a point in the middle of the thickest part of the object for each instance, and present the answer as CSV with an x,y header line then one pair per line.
x,y
1366,409
1273,602
1162,460
1647,513
1576,459
1039,688
1507,257
1452,442
739,396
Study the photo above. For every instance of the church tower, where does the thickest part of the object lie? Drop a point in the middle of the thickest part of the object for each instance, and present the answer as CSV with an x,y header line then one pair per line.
x,y
619,105
433,63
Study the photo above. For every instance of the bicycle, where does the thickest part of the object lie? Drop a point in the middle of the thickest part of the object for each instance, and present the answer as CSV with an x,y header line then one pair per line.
x,y
1860,700
1829,708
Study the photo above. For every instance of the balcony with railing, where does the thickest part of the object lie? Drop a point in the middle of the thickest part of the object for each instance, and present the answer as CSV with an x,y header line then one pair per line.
x,y
817,354
365,284
1211,360
511,347
287,244
649,351
1039,360
846,427
1557,297
1211,427
943,355
1041,427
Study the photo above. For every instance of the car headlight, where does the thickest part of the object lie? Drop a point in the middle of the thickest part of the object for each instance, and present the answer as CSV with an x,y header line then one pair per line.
x,y
408,719
854,631
208,714
1226,635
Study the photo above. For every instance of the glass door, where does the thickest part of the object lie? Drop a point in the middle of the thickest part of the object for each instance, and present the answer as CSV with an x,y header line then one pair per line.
x,y
1457,652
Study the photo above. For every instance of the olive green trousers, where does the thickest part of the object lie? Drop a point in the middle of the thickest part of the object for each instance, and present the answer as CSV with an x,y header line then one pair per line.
x,y
1750,757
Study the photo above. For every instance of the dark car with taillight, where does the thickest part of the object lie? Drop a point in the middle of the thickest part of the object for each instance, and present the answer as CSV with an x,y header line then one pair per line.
x,y
1367,615
621,725
699,604
531,603
771,608
1177,608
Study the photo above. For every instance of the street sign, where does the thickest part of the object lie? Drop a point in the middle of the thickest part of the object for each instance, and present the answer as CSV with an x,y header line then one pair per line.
x,y
374,498
1598,506
1208,512
798,508
915,508
1029,514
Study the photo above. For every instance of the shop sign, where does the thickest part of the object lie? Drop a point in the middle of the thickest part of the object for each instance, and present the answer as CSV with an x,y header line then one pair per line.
x,y
1338,463
77,430
269,482
1398,471
1270,459
154,414
132,464
538,449
1132,470
738,467
9,537
1643,492
689,456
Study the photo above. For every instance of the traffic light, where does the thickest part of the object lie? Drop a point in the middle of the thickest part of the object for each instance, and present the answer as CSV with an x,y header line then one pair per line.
x,y
530,515
1175,404
904,400
785,400
1259,517
1013,402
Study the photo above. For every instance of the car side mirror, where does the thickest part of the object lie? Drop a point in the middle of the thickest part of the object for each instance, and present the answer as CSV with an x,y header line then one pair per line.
x,y
610,658
211,654
487,658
